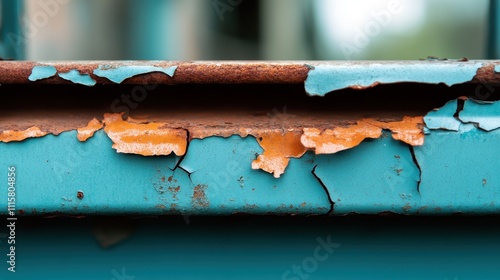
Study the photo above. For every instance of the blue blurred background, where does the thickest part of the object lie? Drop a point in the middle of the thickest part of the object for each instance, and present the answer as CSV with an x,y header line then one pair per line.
x,y
246,29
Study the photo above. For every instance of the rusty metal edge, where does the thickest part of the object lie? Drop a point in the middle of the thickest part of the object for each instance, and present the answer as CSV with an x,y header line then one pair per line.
x,y
209,72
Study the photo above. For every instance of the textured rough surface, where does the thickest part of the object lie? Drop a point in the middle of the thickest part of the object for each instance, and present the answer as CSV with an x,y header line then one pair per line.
x,y
13,136
85,133
77,78
144,139
325,78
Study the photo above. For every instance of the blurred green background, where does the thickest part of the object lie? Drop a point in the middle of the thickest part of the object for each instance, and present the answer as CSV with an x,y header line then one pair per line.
x,y
245,29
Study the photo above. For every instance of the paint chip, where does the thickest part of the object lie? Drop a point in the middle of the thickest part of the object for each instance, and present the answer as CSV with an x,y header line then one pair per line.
x,y
150,139
41,72
484,114
85,133
443,118
326,78
332,141
278,148
16,136
76,77
120,74
338,139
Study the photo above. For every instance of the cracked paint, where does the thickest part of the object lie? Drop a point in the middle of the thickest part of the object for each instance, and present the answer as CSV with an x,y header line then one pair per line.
x,y
85,133
41,72
151,139
379,175
121,73
443,118
76,77
325,78
486,115
278,148
16,136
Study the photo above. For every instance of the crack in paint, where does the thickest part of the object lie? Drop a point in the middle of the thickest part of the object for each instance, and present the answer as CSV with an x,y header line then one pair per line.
x,y
415,161
325,188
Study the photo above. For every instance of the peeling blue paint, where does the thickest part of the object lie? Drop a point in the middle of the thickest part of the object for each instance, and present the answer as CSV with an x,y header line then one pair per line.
x,y
497,68
77,78
224,165
377,176
485,114
41,72
120,74
323,78
459,174
460,171
443,118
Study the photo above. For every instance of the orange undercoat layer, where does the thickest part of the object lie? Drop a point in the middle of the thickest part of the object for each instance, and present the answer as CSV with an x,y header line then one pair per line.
x,y
16,136
85,133
278,148
150,139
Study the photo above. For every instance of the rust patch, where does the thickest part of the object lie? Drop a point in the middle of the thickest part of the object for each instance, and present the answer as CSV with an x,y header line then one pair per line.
x,y
199,198
330,141
174,191
278,148
80,195
85,133
16,136
409,130
151,139
338,139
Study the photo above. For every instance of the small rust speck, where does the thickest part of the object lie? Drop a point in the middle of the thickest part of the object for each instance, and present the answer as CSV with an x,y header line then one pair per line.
x,y
199,198
21,212
170,179
163,179
79,195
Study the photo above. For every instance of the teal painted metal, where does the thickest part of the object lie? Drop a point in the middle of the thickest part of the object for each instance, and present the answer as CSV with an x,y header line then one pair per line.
x,y
41,72
242,248
325,78
120,74
377,176
443,118
485,114
77,78
249,249
215,177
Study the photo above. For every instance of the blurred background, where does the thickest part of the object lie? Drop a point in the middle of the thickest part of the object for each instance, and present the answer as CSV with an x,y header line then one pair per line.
x,y
246,29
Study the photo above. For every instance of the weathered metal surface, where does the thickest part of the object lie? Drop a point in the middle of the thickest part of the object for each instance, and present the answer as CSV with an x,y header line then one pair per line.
x,y
217,162
323,76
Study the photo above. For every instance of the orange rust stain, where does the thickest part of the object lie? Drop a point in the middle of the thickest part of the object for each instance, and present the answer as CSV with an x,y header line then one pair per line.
x,y
338,139
278,148
150,139
331,141
199,198
409,130
16,136
85,133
